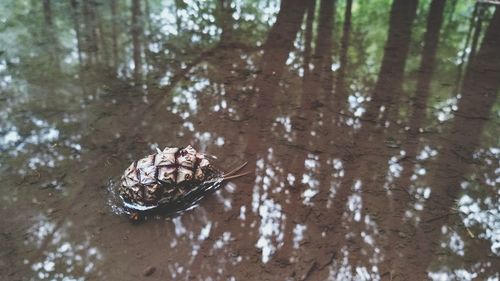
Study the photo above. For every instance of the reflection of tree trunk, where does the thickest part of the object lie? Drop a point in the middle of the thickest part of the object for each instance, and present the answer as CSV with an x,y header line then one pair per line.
x,y
280,40
295,165
226,21
76,23
340,88
477,31
147,38
424,77
136,39
480,90
114,34
458,81
317,84
298,119
179,4
321,88
308,36
312,80
101,37
321,60
91,47
390,79
51,41
147,12
452,9
371,166
327,11
277,47
47,12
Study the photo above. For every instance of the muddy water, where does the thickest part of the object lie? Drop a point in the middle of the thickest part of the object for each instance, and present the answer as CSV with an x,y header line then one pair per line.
x,y
371,131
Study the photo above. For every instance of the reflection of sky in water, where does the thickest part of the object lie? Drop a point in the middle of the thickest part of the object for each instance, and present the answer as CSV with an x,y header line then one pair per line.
x,y
41,134
298,234
271,215
395,169
357,104
459,274
14,142
355,203
197,238
445,110
481,214
62,257
226,200
308,178
426,153
455,243
206,139
271,228
484,213
341,269
286,124
337,174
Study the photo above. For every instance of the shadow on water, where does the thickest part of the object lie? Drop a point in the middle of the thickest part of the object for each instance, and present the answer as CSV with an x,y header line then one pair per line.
x,y
371,129
139,213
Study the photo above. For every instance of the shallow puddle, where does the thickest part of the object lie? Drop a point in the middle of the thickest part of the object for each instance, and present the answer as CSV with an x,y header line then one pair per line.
x,y
371,131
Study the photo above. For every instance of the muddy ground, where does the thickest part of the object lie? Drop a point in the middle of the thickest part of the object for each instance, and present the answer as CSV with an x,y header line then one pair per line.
x,y
371,132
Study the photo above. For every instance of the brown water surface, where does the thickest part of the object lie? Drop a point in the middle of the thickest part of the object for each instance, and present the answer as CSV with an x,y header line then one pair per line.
x,y
372,131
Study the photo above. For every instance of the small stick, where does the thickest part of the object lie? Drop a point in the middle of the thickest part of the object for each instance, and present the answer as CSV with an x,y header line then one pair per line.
x,y
235,176
235,170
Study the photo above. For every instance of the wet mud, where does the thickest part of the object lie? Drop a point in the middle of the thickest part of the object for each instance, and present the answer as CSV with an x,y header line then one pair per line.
x,y
371,131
